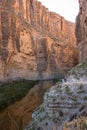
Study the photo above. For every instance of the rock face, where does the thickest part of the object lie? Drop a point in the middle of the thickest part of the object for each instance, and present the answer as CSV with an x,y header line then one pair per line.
x,y
81,30
34,43
63,102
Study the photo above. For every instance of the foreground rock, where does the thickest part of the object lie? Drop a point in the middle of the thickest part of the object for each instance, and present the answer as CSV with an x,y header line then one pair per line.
x,y
63,103
34,43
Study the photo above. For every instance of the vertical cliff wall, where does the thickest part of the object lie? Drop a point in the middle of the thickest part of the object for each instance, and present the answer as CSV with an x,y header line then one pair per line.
x,y
34,43
81,30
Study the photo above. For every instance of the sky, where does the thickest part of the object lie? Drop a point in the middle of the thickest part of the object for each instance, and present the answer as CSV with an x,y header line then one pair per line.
x,y
66,8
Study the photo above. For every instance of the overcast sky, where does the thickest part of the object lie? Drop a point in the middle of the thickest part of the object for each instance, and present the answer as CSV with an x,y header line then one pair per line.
x,y
66,8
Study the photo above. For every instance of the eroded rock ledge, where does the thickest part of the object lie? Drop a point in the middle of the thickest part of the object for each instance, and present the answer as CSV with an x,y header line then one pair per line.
x,y
34,43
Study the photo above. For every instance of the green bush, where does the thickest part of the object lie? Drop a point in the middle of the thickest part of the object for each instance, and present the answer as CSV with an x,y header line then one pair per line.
x,y
84,126
13,91
57,80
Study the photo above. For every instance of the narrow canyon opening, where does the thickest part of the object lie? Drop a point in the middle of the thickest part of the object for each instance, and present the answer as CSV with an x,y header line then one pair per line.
x,y
37,44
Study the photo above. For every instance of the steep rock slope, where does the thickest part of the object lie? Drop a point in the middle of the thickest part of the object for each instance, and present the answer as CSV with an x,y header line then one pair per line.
x,y
64,102
81,30
34,43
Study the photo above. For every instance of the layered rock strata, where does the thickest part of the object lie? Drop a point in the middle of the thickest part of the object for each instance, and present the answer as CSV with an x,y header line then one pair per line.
x,y
81,30
34,43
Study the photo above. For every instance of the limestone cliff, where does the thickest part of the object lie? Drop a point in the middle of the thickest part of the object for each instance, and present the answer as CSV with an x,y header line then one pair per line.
x,y
34,43
81,30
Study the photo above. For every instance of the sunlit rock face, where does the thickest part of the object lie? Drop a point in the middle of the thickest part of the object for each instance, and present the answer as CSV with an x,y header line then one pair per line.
x,y
63,102
34,43
81,30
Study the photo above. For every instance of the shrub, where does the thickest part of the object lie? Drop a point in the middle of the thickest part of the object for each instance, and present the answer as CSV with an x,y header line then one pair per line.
x,y
13,91
84,126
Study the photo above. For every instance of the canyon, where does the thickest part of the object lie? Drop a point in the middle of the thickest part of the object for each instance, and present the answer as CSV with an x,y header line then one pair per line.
x,y
35,44
65,104
38,44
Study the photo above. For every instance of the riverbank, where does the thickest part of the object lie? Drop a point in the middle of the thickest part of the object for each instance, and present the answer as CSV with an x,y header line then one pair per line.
x,y
11,92
18,114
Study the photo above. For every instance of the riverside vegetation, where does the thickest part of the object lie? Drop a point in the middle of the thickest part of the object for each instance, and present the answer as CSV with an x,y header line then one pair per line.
x,y
13,91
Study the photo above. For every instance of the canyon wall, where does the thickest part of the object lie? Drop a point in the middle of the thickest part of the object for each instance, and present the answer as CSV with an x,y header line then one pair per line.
x,y
81,30
34,43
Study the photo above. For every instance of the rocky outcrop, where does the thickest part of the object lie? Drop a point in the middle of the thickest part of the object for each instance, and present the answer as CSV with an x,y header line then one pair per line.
x,y
81,30
63,102
34,43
